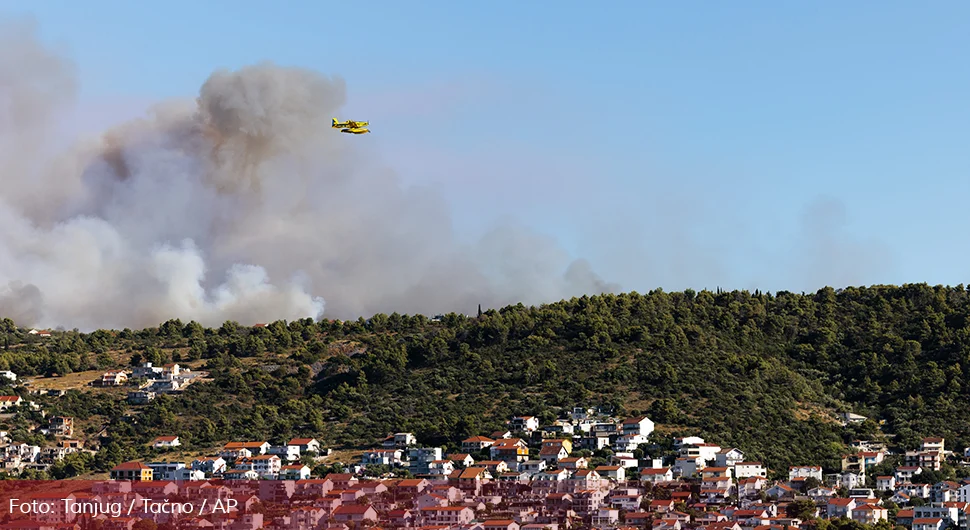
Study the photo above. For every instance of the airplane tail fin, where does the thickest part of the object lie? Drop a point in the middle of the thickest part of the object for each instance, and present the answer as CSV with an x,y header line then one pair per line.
x,y
334,124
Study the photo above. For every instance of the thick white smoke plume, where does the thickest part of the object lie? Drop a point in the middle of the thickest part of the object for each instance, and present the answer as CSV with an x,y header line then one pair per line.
x,y
243,206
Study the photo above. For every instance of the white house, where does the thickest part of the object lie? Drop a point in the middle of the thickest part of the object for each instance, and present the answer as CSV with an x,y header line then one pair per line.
x,y
147,370
821,494
656,475
209,464
441,467
687,467
531,467
706,452
869,514
886,483
171,370
266,465
963,493
848,417
476,444
400,440
850,480
524,423
728,457
294,472
604,518
287,452
462,459
244,449
749,469
420,458
640,425
553,453
9,375
629,442
240,474
805,472
382,457
624,460
915,490
165,470
7,402
687,440
305,445
615,473
928,523
560,427
839,507
903,473
166,442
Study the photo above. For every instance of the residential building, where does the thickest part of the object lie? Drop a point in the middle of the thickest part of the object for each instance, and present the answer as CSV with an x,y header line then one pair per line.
x,y
509,450
614,473
287,452
565,443
839,507
420,458
233,450
140,397
524,423
113,378
461,459
706,452
749,469
384,457
305,445
727,457
171,371
146,370
805,472
61,426
294,472
928,523
400,440
131,471
7,402
267,466
209,464
640,425
166,442
906,473
476,443
886,483
931,460
656,475
166,470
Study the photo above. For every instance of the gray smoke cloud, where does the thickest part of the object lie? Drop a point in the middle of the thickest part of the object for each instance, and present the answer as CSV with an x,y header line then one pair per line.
x,y
242,205
830,255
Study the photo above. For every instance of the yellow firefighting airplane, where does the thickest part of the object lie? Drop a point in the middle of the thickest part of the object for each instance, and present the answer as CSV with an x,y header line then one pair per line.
x,y
351,127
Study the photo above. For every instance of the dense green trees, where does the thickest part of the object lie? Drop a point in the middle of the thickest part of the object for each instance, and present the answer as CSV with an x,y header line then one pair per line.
x,y
762,372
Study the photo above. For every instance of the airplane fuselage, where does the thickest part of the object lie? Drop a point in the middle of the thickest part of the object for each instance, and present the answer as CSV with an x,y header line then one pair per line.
x,y
350,125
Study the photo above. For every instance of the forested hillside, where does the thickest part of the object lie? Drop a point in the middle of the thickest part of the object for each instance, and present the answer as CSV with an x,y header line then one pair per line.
x,y
764,372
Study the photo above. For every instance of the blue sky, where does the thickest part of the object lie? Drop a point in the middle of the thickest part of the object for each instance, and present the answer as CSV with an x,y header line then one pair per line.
x,y
743,145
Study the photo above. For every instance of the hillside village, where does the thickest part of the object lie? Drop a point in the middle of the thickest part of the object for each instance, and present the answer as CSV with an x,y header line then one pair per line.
x,y
586,470
298,412
145,381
